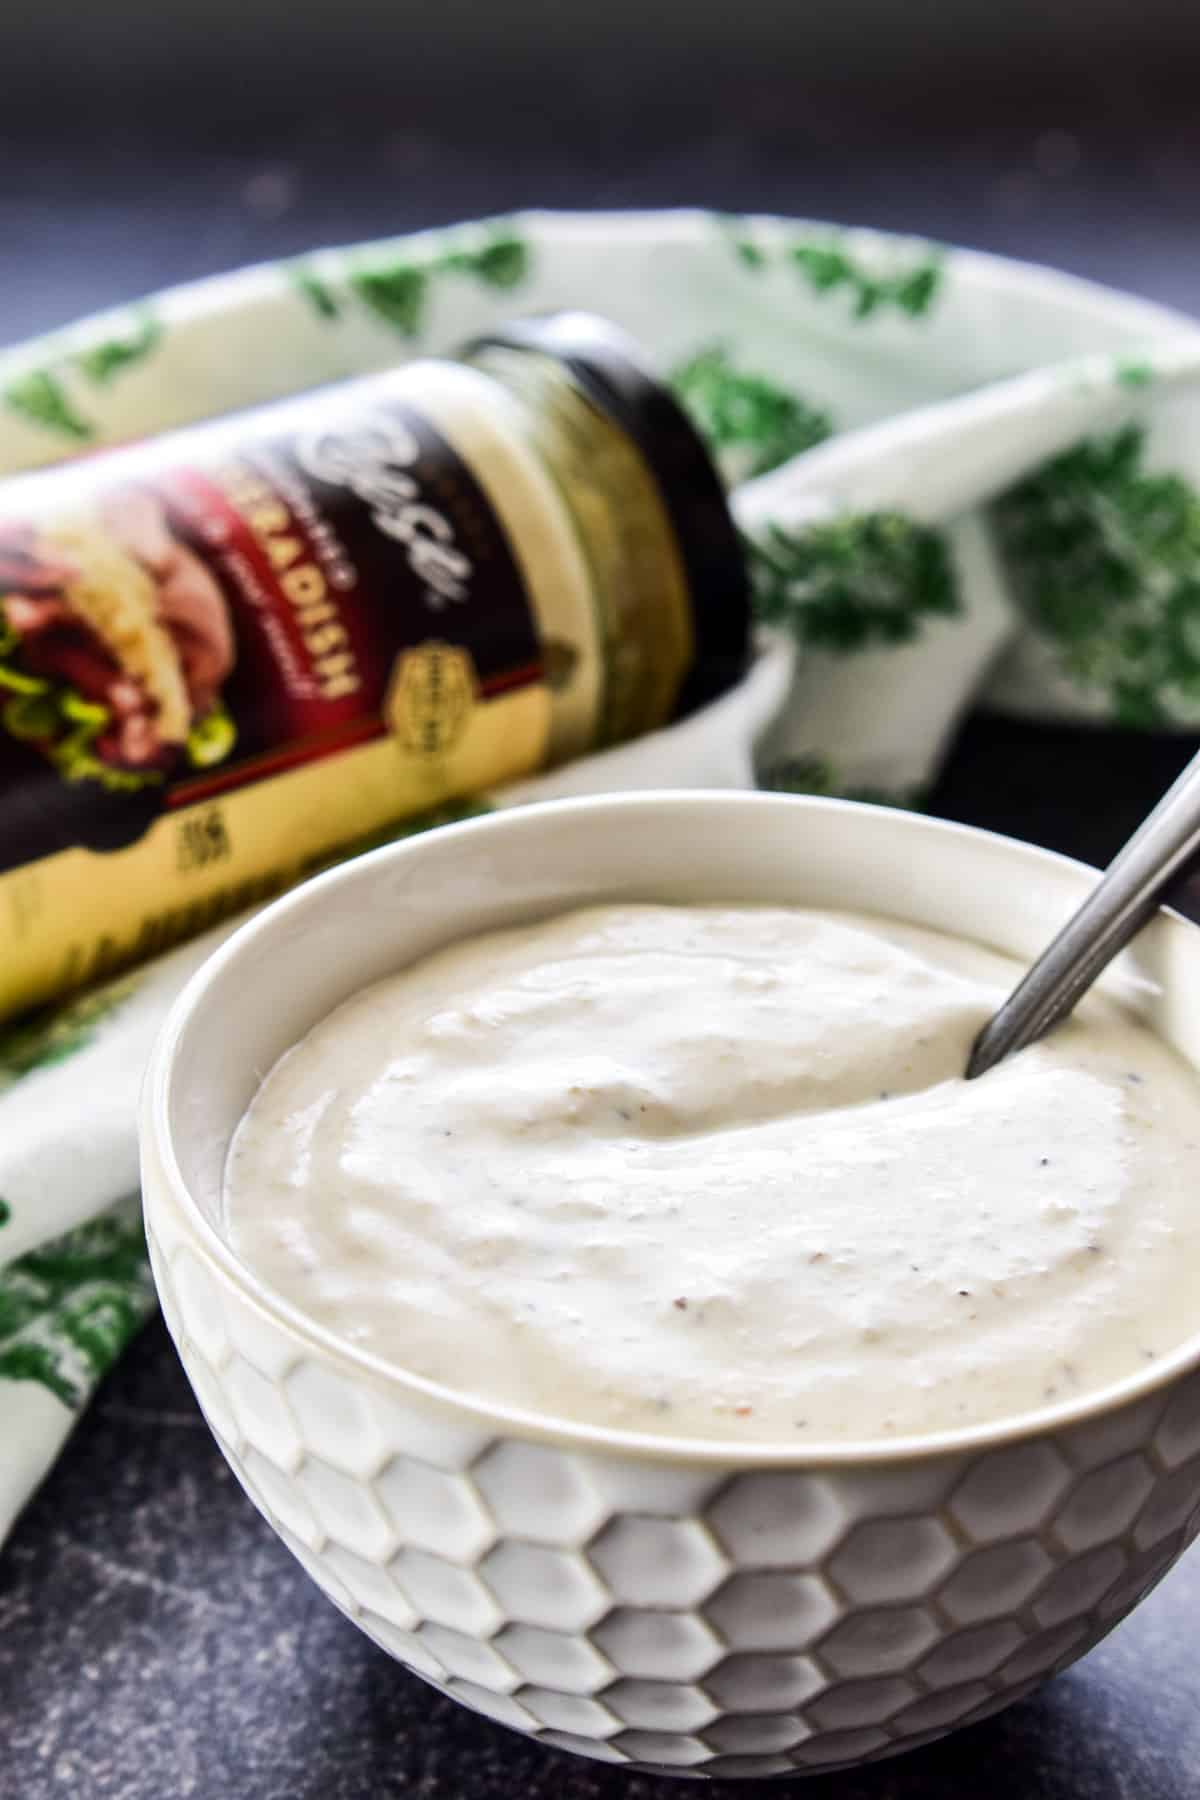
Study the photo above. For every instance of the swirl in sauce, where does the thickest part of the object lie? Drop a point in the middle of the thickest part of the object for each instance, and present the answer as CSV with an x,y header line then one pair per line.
x,y
714,1172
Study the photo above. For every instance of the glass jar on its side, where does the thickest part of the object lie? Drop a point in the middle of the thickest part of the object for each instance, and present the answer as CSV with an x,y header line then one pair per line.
x,y
237,651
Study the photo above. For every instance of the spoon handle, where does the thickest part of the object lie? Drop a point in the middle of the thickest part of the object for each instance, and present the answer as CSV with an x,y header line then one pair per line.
x,y
1157,855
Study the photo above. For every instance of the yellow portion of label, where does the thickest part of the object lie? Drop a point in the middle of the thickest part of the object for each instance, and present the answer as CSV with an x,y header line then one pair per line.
x,y
79,916
430,698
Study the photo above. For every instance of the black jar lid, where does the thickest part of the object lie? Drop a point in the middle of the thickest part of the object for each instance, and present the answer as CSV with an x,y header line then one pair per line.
x,y
606,364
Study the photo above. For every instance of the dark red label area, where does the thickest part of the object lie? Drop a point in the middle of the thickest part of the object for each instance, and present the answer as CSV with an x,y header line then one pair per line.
x,y
181,629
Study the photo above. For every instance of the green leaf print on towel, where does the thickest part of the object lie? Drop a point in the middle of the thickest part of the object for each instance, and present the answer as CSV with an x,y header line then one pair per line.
x,y
40,397
753,424
317,292
861,581
68,1310
396,294
52,1034
101,362
817,775
739,236
396,288
500,262
1104,559
829,267
1134,374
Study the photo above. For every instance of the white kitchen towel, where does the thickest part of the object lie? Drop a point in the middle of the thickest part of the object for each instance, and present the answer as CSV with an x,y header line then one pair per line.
x,y
958,478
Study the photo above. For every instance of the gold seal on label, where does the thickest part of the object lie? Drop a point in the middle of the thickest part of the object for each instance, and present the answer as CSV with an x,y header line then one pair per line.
x,y
430,697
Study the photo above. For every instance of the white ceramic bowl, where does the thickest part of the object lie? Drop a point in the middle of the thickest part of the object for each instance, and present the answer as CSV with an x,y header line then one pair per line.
x,y
667,1604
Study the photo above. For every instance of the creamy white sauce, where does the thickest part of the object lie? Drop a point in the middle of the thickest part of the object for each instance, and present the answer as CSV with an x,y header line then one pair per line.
x,y
714,1172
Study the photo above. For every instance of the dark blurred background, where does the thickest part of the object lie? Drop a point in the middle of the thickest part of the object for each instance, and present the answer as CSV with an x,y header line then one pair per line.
x,y
146,142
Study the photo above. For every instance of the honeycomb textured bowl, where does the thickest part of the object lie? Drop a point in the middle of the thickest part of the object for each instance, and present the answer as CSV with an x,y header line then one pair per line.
x,y
694,1608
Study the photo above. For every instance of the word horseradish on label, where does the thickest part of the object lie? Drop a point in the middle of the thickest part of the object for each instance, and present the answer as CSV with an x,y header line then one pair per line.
x,y
298,566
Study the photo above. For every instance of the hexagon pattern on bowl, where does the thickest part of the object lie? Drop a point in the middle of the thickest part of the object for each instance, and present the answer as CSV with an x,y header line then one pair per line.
x,y
688,1618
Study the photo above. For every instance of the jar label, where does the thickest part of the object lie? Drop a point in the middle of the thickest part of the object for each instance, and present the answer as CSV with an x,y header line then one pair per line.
x,y
214,673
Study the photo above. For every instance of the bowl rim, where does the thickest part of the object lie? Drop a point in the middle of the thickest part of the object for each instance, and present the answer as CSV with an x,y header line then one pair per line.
x,y
156,1138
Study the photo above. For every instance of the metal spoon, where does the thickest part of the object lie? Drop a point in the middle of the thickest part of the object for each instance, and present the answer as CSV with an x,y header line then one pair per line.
x,y
1135,884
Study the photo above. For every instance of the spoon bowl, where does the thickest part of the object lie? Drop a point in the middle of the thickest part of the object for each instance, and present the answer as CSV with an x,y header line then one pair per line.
x,y
1157,859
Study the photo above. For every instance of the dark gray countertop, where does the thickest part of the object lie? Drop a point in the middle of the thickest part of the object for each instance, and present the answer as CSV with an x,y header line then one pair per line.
x,y
155,1638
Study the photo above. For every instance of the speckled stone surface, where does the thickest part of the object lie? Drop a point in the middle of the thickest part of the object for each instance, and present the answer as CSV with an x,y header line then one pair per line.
x,y
156,1640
